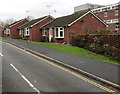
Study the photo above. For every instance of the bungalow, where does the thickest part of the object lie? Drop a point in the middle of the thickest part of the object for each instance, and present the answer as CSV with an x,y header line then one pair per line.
x,y
31,30
60,28
1,30
11,30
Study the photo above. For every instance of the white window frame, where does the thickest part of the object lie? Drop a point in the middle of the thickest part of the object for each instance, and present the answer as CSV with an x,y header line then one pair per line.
x,y
116,12
59,32
27,33
117,26
44,33
105,14
7,31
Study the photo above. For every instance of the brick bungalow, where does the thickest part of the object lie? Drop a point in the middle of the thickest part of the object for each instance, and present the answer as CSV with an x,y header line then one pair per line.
x,y
31,30
1,30
60,28
11,31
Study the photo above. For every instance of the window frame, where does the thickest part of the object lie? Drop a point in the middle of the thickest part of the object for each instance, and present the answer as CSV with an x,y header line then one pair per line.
x,y
116,12
117,26
27,33
44,32
59,32
106,14
7,31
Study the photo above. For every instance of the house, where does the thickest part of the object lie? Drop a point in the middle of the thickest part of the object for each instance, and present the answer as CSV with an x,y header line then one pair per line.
x,y
1,30
31,30
60,28
11,30
109,14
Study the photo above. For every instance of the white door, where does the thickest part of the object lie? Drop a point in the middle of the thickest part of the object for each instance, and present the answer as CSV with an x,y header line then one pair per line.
x,y
50,34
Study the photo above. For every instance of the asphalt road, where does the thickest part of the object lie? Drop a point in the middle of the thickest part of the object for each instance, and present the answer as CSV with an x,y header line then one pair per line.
x,y
98,68
23,72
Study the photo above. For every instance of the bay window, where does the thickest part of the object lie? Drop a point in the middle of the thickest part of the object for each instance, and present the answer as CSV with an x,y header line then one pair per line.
x,y
59,32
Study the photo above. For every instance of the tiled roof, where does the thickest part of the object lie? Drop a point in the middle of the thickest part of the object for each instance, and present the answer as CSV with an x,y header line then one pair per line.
x,y
8,26
28,24
65,20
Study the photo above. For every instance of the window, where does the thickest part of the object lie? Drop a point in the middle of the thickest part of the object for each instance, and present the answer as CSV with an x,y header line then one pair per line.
x,y
117,26
59,32
105,14
7,31
96,14
115,20
26,32
108,21
44,32
116,12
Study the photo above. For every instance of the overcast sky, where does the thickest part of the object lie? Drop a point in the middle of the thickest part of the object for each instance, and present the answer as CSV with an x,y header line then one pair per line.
x,y
17,9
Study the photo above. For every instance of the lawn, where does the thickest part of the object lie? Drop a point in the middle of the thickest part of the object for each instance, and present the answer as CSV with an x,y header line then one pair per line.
x,y
82,52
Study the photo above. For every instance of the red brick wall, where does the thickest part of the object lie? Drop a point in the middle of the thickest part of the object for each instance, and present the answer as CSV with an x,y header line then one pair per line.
x,y
14,33
36,33
111,15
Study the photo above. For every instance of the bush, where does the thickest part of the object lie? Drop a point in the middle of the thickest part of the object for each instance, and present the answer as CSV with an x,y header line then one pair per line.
x,y
44,39
79,41
19,38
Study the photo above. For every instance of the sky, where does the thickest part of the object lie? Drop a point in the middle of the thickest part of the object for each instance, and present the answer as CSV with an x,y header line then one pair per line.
x,y
18,9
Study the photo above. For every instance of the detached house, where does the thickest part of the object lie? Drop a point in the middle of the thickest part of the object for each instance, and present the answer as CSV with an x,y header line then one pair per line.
x,y
1,30
31,30
11,31
59,29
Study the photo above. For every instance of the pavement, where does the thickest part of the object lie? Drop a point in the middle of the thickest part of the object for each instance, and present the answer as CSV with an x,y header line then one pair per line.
x,y
98,68
23,72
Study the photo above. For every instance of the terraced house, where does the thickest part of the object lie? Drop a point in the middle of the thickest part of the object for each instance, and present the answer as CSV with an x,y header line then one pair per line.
x,y
11,31
31,30
60,28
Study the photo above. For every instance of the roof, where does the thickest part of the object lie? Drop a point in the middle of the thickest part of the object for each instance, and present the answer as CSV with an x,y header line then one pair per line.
x,y
65,20
69,20
8,26
30,23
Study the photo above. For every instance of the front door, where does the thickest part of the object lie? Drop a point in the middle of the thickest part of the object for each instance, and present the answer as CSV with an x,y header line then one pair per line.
x,y
50,34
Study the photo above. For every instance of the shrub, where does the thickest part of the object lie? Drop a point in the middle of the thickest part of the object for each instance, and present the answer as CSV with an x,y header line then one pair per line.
x,y
44,39
79,41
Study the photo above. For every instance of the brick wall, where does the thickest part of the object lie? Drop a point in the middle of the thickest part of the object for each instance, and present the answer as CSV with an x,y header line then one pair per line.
x,y
35,30
14,33
111,40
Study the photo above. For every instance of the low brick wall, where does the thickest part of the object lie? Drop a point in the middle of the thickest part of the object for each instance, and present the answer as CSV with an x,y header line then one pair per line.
x,y
113,42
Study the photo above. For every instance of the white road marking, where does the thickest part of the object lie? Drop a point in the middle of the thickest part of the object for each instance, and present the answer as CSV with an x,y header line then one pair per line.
x,y
30,84
1,54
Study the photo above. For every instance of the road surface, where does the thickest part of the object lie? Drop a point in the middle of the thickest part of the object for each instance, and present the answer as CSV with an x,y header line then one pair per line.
x,y
25,72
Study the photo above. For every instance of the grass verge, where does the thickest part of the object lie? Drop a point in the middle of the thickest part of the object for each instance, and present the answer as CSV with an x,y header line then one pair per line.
x,y
82,52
